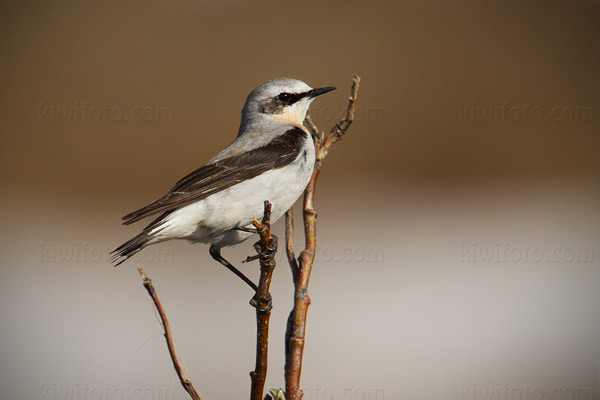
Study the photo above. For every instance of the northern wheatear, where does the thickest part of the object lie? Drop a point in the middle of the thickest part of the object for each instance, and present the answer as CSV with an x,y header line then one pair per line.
x,y
272,158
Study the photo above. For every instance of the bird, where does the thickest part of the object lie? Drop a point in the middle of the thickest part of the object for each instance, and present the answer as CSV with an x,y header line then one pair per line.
x,y
272,158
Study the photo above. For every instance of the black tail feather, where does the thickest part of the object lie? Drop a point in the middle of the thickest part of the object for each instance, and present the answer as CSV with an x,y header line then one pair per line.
x,y
129,248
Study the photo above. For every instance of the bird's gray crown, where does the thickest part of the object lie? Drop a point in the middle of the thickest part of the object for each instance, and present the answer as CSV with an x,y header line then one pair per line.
x,y
255,102
279,101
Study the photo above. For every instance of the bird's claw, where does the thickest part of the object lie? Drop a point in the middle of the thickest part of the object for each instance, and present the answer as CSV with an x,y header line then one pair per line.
x,y
251,258
270,252
268,255
265,308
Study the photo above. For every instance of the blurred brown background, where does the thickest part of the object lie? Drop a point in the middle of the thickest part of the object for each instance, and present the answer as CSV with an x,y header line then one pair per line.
x,y
458,229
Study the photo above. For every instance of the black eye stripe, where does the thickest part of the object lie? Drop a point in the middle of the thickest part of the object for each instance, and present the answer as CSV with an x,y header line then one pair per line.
x,y
290,98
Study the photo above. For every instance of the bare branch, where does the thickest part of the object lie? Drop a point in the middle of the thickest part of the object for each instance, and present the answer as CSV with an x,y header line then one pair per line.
x,y
289,243
185,382
266,249
295,332
297,320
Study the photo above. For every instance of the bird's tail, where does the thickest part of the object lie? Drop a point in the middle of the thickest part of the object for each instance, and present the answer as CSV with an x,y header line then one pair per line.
x,y
129,248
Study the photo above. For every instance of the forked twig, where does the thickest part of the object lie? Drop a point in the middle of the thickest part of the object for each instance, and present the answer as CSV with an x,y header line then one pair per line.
x,y
301,269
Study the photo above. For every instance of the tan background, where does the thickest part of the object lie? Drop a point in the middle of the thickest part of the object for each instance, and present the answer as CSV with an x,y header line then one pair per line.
x,y
404,303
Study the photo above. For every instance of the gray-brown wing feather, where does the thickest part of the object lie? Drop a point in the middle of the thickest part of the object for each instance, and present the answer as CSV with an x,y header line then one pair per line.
x,y
222,174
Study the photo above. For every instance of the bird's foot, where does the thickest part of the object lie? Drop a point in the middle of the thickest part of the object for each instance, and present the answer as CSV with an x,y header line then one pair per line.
x,y
266,256
269,252
266,307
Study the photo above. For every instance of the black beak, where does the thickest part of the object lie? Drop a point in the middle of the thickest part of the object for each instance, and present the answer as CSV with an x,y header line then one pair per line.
x,y
319,91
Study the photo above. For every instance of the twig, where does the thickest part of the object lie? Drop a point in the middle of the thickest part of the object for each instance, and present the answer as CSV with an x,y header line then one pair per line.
x,y
314,131
291,256
185,382
295,333
289,243
339,130
266,248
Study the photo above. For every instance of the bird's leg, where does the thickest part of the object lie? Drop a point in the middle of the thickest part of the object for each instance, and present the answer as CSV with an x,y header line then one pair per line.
x,y
245,229
215,253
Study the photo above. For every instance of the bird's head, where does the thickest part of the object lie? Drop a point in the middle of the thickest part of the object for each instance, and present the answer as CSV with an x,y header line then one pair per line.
x,y
283,99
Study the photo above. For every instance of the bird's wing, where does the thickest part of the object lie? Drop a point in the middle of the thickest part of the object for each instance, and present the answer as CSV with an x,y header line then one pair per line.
x,y
224,173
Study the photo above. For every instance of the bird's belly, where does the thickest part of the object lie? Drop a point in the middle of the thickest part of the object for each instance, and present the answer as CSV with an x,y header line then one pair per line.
x,y
213,219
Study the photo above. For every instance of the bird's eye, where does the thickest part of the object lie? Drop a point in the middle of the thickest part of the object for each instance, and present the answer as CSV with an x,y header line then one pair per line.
x,y
284,97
